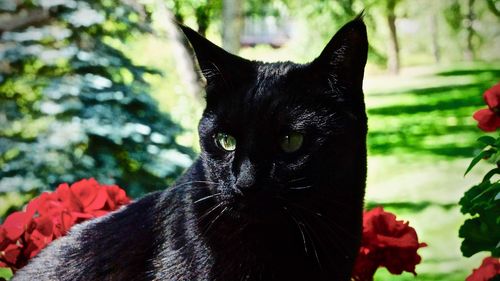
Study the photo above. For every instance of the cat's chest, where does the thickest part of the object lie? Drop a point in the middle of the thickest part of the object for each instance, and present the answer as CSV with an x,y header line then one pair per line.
x,y
267,255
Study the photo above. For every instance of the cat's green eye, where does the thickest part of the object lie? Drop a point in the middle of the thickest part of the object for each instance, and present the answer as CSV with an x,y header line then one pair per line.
x,y
291,142
225,141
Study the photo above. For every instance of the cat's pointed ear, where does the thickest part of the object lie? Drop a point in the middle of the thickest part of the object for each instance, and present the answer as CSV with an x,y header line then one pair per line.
x,y
218,66
345,55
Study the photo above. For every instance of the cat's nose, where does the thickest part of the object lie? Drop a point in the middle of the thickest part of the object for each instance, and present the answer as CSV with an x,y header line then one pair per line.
x,y
246,177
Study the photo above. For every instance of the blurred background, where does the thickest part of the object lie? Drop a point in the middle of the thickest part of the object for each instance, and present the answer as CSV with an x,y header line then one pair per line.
x,y
109,89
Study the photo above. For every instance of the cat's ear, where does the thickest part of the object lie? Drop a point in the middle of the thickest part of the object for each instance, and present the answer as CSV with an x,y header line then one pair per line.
x,y
218,66
344,57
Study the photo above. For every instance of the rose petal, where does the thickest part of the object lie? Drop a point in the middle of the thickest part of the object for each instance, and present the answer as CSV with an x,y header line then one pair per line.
x,y
116,197
85,191
10,254
98,202
492,96
15,224
489,268
487,120
67,198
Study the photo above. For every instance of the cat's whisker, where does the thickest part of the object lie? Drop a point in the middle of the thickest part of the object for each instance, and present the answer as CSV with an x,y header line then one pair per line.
x,y
210,211
193,185
332,226
310,231
297,179
325,219
330,223
215,219
300,187
207,197
299,226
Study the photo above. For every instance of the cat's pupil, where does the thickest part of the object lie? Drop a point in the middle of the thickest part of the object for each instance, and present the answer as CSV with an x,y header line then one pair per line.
x,y
225,141
292,142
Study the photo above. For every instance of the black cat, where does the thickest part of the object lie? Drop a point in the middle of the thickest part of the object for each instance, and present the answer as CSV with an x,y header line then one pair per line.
x,y
276,193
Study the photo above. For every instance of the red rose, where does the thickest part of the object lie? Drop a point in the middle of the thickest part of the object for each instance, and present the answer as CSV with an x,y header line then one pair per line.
x,y
11,253
116,197
15,224
489,119
49,216
90,194
386,242
488,269
39,235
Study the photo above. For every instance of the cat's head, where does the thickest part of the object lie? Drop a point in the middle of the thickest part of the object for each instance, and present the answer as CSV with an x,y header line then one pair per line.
x,y
282,130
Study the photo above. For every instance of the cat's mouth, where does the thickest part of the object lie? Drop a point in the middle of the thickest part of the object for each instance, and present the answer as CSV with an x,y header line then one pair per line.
x,y
253,208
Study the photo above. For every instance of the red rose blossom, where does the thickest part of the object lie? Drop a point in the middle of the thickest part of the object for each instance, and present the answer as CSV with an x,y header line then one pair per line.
x,y
489,119
488,269
388,243
25,233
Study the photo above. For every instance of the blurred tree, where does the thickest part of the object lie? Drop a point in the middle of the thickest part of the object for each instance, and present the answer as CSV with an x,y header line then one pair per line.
x,y
436,51
492,5
393,62
73,105
469,24
204,11
232,24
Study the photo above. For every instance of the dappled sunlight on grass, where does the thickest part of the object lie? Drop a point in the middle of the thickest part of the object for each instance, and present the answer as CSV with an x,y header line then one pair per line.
x,y
421,139
434,118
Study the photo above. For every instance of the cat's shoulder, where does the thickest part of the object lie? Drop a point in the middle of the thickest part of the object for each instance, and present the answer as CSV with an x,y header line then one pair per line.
x,y
102,245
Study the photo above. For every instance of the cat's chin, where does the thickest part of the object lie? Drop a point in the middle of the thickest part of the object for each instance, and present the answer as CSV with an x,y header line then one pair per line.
x,y
254,210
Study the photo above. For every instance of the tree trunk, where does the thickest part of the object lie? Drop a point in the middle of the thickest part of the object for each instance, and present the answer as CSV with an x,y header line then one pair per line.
x,y
203,17
436,52
232,24
469,51
393,62
186,66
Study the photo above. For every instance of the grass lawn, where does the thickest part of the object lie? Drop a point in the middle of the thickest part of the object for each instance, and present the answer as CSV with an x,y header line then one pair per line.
x,y
421,139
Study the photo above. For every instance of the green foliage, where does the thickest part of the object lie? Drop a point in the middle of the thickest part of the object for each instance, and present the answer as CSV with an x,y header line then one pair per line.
x,y
482,231
5,273
453,15
73,105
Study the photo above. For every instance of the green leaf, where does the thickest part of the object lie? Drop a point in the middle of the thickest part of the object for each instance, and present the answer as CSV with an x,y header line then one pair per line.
x,y
487,140
490,174
480,234
485,154
5,273
480,198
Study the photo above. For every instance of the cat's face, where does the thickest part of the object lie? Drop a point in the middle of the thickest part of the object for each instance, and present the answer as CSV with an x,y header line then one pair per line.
x,y
273,131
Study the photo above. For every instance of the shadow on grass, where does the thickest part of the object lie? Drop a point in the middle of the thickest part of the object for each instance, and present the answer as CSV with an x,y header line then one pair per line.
x,y
438,121
461,72
448,276
470,98
429,90
410,206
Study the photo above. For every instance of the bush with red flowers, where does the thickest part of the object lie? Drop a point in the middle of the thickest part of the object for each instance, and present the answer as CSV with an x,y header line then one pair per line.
x,y
49,216
386,242
489,269
481,232
488,119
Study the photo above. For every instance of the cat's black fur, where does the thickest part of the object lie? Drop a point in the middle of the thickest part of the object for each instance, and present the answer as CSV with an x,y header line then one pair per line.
x,y
256,213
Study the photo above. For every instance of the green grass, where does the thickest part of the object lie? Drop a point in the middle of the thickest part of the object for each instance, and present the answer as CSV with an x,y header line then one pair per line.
x,y
421,139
